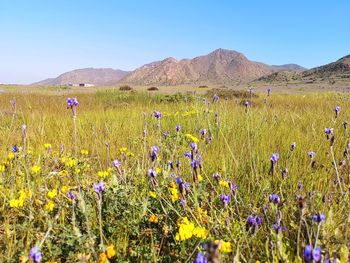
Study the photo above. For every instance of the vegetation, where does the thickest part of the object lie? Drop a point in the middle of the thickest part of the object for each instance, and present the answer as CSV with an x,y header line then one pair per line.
x,y
134,177
125,88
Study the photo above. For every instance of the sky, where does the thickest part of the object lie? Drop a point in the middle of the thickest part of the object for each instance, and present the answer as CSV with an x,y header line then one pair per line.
x,y
41,39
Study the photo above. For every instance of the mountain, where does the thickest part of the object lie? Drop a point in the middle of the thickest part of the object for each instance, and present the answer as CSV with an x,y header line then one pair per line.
x,y
96,76
220,66
335,71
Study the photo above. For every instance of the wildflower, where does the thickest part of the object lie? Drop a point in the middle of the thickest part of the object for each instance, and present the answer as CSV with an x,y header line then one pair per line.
x,y
224,183
268,91
36,169
224,247
293,146
337,110
328,131
103,174
311,154
2,168
215,98
274,198
47,146
157,114
63,173
193,145
72,102
311,254
274,157
319,217
35,254
152,173
188,155
277,226
71,195
14,149
187,229
152,194
174,193
84,152
52,194
191,138
110,251
102,258
11,156
200,178
253,222
116,163
49,206
153,219
201,258
99,187
202,132
123,150
225,199
154,153
178,128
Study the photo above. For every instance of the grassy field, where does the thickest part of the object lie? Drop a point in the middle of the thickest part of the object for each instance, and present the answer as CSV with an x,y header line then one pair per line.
x,y
139,177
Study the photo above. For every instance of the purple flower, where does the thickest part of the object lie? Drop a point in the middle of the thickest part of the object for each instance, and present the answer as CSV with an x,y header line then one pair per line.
x,y
193,145
274,198
328,131
312,254
201,258
154,153
274,157
157,114
337,109
215,98
72,102
225,199
293,146
202,131
14,148
188,155
253,222
246,103
311,154
166,134
99,187
319,217
152,173
178,128
277,226
35,254
71,195
268,91
116,163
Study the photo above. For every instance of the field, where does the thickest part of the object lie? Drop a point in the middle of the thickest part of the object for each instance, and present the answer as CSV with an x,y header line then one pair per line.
x,y
137,177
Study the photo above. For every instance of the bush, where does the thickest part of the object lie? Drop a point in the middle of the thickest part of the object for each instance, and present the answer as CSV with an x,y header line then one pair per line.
x,y
152,89
125,88
231,93
203,87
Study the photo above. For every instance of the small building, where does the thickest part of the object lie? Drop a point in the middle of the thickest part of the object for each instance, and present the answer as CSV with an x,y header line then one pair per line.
x,y
81,85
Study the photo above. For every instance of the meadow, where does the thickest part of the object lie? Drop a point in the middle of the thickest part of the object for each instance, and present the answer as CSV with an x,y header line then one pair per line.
x,y
136,177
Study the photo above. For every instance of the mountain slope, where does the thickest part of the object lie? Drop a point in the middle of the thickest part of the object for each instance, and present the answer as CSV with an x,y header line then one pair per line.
x,y
219,66
96,76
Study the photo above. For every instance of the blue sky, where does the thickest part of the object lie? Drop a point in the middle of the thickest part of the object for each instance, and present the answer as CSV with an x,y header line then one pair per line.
x,y
41,38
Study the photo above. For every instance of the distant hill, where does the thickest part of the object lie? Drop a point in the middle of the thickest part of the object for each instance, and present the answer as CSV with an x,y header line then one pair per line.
x,y
335,71
220,66
96,76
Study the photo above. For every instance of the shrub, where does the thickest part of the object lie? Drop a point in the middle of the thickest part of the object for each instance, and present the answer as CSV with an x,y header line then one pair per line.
x,y
125,88
152,89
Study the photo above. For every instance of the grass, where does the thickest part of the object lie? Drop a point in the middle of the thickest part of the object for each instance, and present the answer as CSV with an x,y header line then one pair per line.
x,y
140,226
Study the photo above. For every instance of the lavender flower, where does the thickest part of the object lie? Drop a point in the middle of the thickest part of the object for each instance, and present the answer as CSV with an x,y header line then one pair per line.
x,y
202,132
277,226
215,98
35,254
188,155
328,131
319,218
268,91
293,146
201,258
154,153
99,188
193,145
253,222
311,154
178,128
152,173
157,114
337,111
166,134
225,199
274,157
71,195
116,163
312,254
274,198
14,148
72,102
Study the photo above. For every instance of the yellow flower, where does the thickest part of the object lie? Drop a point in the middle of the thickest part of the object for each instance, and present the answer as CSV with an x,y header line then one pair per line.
x,y
2,168
102,258
153,219
152,194
64,189
123,150
130,154
191,137
36,169
11,156
158,170
15,203
47,146
52,194
225,247
49,206
71,162
84,152
200,232
174,193
63,173
200,178
103,174
224,183
110,251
